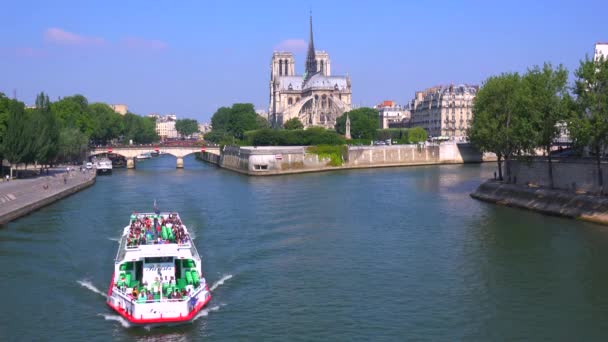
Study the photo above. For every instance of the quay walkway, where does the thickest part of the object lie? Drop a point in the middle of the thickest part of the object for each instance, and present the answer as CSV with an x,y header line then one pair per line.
x,y
20,197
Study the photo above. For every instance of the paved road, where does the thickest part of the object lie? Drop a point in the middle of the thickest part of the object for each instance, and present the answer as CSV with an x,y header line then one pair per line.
x,y
18,193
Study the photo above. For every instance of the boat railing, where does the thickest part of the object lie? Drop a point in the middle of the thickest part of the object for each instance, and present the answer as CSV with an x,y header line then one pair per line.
x,y
130,298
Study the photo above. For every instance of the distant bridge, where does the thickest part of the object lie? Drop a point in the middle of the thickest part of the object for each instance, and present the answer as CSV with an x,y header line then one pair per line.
x,y
130,152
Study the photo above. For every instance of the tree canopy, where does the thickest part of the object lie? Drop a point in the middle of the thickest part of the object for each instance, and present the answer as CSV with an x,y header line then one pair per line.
x,y
363,123
60,131
236,120
501,123
545,99
186,127
293,123
589,125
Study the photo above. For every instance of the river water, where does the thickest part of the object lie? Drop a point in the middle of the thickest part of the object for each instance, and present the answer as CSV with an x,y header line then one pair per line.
x,y
385,254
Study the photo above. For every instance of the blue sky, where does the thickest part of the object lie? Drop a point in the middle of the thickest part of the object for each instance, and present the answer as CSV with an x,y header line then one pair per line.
x,y
191,57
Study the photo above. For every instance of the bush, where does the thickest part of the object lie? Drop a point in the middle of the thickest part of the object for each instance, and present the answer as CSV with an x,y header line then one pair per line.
x,y
335,153
311,136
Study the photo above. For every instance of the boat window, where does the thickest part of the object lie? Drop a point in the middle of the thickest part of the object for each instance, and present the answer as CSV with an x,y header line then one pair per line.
x,y
157,260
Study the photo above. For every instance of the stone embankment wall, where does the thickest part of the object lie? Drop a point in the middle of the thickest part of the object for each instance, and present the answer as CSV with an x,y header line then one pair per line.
x,y
574,174
392,155
553,202
209,157
272,160
21,197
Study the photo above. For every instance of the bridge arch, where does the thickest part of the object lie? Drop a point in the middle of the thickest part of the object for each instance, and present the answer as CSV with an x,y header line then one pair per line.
x,y
131,152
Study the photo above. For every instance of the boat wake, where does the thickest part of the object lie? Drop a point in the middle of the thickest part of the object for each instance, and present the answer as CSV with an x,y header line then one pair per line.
x,y
220,282
205,312
116,318
90,286
114,239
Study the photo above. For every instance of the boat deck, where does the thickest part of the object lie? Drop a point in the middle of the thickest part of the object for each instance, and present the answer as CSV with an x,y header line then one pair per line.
x,y
180,289
154,229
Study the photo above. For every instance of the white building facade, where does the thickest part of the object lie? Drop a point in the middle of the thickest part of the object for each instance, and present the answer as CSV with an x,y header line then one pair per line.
x,y
601,49
393,115
165,127
444,111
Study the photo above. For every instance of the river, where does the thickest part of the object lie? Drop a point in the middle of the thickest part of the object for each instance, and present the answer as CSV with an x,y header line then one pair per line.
x,y
382,254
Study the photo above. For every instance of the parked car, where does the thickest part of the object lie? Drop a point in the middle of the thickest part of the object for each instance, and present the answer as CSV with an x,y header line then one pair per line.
x,y
89,165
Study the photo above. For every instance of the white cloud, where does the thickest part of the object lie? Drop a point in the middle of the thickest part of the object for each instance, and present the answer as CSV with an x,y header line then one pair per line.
x,y
59,36
292,45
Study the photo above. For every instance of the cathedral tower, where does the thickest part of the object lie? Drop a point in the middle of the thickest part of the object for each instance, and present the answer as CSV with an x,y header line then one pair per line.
x,y
311,58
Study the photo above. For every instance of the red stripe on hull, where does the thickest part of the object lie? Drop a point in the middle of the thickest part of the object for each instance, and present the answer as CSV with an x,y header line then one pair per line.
x,y
147,321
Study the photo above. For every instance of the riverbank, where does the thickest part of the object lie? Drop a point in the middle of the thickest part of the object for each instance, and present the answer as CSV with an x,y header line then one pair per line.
x,y
552,202
23,196
282,160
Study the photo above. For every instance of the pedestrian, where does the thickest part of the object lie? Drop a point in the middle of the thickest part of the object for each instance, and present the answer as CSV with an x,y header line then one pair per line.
x,y
8,178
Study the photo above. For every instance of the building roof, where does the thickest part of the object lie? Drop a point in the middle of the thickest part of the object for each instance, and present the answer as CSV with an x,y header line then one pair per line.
x,y
290,82
318,80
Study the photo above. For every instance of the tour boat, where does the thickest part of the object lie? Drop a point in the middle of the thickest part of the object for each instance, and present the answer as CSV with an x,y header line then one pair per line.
x,y
157,276
144,156
103,166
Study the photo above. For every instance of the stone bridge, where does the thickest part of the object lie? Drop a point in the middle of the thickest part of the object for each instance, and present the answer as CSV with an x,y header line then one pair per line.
x,y
130,152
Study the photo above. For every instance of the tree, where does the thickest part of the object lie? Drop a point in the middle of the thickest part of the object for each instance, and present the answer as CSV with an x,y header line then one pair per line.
x,y
589,125
416,135
545,99
5,104
236,120
186,127
139,129
107,124
363,123
293,123
15,145
73,111
500,124
72,144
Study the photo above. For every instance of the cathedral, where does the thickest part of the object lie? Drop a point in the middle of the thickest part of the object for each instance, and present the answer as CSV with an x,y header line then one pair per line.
x,y
316,98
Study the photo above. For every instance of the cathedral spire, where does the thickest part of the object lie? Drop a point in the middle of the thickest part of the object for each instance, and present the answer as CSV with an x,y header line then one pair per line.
x,y
311,61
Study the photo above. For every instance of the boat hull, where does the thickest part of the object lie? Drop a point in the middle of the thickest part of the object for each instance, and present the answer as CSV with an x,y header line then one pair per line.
x,y
157,321
101,172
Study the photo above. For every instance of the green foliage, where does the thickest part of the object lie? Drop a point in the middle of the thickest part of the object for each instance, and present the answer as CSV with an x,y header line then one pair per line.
x,y
60,131
15,145
293,123
501,123
220,137
311,136
546,99
335,153
238,119
543,97
44,134
139,129
73,111
363,123
72,144
416,135
589,125
107,124
186,127
6,106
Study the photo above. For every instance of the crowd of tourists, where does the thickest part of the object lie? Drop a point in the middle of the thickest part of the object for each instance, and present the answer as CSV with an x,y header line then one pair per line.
x,y
151,292
146,230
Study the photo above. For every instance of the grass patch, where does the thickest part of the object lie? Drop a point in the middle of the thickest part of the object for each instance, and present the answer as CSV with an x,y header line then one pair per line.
x,y
335,153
